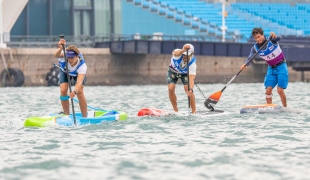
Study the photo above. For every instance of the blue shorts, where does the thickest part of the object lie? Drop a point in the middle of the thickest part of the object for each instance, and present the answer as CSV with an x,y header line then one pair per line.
x,y
173,77
63,78
277,75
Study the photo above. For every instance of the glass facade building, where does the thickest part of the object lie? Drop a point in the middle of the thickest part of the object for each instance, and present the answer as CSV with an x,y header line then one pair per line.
x,y
69,17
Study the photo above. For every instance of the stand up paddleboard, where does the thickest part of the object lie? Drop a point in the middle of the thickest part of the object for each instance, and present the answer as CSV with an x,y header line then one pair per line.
x,y
93,117
261,108
161,112
154,112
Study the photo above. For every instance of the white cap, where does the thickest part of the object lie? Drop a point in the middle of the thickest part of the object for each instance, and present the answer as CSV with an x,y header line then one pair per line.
x,y
176,50
190,50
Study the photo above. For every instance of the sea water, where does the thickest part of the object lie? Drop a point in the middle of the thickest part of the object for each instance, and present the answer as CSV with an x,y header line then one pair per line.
x,y
228,146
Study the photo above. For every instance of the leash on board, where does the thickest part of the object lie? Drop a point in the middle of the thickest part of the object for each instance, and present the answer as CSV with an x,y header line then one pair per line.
x,y
200,91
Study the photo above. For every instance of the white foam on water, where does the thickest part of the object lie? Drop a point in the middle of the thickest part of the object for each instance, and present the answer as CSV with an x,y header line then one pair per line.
x,y
199,113
295,110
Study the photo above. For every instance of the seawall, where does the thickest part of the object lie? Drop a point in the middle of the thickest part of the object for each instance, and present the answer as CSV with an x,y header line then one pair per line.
x,y
105,68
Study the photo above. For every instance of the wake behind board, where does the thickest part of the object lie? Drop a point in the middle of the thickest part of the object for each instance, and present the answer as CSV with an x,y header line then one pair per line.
x,y
161,112
270,108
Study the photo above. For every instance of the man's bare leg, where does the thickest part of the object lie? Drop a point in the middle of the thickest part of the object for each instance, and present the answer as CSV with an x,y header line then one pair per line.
x,y
173,97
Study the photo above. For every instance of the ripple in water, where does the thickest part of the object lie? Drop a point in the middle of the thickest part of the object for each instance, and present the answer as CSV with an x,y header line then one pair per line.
x,y
229,146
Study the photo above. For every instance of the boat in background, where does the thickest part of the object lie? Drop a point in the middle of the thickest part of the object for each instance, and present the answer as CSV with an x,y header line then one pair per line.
x,y
93,117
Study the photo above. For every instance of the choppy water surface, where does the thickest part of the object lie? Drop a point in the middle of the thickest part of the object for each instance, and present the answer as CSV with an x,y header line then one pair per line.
x,y
229,146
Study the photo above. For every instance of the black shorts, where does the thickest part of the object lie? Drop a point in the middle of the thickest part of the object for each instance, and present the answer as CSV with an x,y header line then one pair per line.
x,y
63,78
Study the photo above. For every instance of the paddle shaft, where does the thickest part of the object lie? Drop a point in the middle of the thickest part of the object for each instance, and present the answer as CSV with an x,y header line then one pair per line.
x,y
68,77
214,98
188,85
245,64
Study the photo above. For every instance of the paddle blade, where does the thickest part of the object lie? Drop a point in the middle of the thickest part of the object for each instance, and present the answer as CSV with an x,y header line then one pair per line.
x,y
212,100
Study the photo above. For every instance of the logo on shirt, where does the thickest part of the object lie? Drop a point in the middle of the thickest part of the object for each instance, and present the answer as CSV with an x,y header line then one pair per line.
x,y
271,48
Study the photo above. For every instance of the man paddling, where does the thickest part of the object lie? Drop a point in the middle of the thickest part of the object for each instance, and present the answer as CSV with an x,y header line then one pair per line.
x,y
277,73
178,70
77,70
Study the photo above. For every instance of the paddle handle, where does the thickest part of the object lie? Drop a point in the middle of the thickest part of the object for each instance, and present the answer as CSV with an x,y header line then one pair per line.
x,y
68,77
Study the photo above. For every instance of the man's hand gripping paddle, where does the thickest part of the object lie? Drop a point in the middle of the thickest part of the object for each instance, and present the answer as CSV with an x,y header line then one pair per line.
x,y
214,98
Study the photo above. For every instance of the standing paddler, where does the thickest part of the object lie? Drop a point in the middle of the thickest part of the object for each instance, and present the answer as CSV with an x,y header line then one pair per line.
x,y
277,73
77,71
178,69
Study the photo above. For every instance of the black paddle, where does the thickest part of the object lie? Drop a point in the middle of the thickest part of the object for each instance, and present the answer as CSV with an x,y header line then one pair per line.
x,y
188,87
68,76
214,98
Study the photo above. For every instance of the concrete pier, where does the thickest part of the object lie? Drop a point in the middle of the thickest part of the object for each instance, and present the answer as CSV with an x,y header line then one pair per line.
x,y
105,68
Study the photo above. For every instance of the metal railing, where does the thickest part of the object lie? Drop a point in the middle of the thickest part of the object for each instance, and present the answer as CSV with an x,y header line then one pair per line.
x,y
92,41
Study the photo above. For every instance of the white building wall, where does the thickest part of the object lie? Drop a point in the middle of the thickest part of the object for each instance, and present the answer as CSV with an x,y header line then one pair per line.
x,y
9,12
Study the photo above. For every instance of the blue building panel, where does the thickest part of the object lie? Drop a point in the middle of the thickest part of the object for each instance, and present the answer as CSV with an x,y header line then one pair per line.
x,y
38,17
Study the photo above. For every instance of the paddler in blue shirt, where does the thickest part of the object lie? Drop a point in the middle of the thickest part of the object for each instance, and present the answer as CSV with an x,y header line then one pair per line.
x,y
277,73
178,70
77,70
